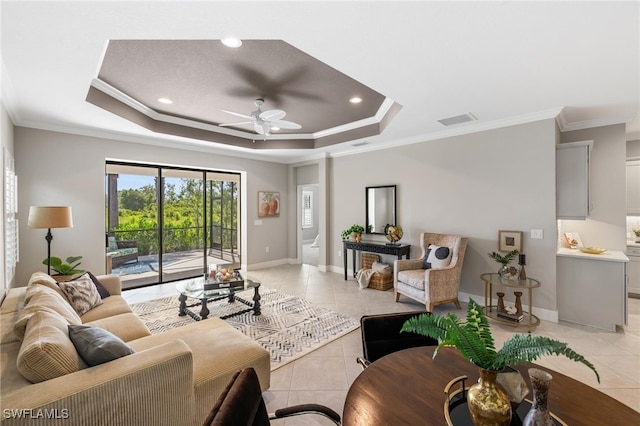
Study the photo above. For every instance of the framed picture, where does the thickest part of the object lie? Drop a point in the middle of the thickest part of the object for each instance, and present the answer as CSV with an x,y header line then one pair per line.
x,y
268,204
510,240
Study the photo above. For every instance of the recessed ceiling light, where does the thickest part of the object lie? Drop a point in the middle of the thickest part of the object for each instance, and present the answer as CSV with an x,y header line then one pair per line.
x,y
231,42
274,128
355,100
166,101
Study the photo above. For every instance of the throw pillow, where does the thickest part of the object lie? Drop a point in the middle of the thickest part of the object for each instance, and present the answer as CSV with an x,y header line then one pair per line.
x,y
96,345
81,294
44,299
104,293
46,351
437,257
112,244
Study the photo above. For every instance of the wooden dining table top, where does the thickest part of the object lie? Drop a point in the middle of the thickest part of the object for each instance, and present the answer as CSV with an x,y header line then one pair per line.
x,y
407,388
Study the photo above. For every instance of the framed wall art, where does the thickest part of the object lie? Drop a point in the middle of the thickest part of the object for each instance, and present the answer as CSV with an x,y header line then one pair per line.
x,y
268,204
510,240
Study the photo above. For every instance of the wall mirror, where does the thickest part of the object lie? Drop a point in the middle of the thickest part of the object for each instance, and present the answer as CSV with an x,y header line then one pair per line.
x,y
380,208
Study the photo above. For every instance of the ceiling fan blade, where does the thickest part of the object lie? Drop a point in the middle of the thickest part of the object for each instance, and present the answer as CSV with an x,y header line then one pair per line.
x,y
284,124
237,114
258,128
235,123
271,115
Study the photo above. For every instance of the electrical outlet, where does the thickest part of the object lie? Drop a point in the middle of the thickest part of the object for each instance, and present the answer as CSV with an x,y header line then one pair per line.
x,y
537,234
266,249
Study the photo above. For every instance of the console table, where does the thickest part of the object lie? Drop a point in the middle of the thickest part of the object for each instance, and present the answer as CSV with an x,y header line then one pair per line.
x,y
382,248
491,311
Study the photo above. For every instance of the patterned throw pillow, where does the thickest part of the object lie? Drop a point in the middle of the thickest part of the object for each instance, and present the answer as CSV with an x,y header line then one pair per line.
x,y
81,294
104,293
437,257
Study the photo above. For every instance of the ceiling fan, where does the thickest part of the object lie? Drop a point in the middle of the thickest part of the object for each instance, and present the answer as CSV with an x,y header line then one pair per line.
x,y
263,121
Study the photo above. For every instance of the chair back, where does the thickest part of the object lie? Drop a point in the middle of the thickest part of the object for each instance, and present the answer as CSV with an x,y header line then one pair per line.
x,y
457,243
381,335
241,403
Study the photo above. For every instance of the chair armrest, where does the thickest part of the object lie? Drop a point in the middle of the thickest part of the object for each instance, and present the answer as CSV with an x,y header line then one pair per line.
x,y
407,264
297,410
150,387
111,282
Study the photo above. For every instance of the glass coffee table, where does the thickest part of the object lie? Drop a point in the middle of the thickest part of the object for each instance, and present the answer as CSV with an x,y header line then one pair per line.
x,y
195,289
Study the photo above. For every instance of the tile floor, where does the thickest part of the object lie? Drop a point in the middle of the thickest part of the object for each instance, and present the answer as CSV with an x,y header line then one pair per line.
x,y
324,376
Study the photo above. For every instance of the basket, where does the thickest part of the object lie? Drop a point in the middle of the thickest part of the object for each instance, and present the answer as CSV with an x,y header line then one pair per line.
x,y
377,281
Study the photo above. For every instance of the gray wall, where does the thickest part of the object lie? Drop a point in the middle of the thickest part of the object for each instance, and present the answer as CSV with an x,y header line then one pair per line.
x,y
472,185
64,169
633,149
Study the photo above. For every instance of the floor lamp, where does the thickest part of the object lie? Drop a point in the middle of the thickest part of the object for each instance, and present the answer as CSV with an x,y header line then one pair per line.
x,y
48,217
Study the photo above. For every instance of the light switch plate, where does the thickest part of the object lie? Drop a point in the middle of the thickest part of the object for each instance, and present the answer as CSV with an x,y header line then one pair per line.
x,y
537,234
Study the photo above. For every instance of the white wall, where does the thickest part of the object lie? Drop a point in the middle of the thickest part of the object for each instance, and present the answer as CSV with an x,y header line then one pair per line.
x,y
6,135
606,224
472,185
64,169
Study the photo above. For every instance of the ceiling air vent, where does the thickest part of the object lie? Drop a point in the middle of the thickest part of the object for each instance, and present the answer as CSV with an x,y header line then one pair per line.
x,y
360,143
458,119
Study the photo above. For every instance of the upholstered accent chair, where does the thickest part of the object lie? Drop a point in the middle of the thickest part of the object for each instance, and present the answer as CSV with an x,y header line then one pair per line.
x,y
434,278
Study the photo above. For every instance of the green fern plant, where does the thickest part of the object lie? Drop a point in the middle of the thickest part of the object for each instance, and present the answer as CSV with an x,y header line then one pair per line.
x,y
504,259
474,340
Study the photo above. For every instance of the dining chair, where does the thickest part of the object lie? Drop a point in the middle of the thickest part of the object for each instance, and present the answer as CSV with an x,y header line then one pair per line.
x,y
241,404
381,336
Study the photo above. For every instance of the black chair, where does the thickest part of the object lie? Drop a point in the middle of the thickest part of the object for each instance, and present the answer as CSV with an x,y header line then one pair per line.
x,y
381,336
241,404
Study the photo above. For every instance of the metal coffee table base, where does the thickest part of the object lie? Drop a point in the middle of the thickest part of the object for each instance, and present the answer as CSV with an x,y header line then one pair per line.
x,y
204,311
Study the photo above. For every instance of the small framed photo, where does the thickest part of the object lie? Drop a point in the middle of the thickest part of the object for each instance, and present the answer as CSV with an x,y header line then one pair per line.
x,y
268,204
510,240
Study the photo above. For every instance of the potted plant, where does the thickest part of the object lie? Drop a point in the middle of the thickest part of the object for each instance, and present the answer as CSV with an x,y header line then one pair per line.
x,y
636,232
64,270
354,233
475,343
504,260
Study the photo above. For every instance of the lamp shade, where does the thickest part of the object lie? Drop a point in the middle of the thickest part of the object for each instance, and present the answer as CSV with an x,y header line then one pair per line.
x,y
50,217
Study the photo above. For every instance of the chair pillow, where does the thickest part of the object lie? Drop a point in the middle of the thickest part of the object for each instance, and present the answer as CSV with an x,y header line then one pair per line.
x,y
46,351
437,257
96,345
81,294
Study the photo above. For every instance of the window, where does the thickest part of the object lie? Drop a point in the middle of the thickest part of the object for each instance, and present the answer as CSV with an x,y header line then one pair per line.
x,y
307,208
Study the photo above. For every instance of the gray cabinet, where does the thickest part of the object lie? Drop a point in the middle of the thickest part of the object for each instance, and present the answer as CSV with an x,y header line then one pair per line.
x,y
592,289
572,180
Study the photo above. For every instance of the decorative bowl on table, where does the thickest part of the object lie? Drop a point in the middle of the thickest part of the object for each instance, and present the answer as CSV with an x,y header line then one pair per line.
x,y
592,250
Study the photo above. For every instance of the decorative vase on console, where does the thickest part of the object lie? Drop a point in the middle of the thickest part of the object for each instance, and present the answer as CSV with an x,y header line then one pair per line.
x,y
505,271
539,414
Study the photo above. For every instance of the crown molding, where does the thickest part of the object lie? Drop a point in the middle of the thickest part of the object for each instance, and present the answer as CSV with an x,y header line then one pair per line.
x,y
566,126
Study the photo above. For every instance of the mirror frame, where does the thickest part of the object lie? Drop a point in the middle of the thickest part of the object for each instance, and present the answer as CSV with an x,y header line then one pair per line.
x,y
366,206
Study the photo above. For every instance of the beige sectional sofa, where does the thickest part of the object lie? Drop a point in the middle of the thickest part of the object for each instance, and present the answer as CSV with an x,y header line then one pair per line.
x,y
173,378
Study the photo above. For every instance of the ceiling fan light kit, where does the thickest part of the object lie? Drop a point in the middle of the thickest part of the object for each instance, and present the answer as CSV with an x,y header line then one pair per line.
x,y
263,121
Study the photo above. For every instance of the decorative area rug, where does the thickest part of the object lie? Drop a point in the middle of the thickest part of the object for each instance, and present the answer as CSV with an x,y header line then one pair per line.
x,y
288,328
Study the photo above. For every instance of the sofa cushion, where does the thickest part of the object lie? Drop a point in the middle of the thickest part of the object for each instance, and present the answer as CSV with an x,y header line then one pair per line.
x,y
39,279
81,293
437,257
44,299
97,346
111,306
46,351
126,326
413,277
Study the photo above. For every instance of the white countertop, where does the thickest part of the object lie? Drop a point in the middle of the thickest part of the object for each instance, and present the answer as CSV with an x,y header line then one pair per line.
x,y
610,255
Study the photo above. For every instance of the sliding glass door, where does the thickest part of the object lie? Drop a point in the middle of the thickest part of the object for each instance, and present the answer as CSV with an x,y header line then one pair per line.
x,y
164,224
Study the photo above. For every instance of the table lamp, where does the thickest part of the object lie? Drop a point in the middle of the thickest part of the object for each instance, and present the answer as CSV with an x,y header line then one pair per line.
x,y
41,217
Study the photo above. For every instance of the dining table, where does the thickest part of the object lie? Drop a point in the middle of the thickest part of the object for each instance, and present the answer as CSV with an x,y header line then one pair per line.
x,y
407,387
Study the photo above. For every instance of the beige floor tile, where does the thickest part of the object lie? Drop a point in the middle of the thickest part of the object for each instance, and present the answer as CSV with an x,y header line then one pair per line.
x,y
325,374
